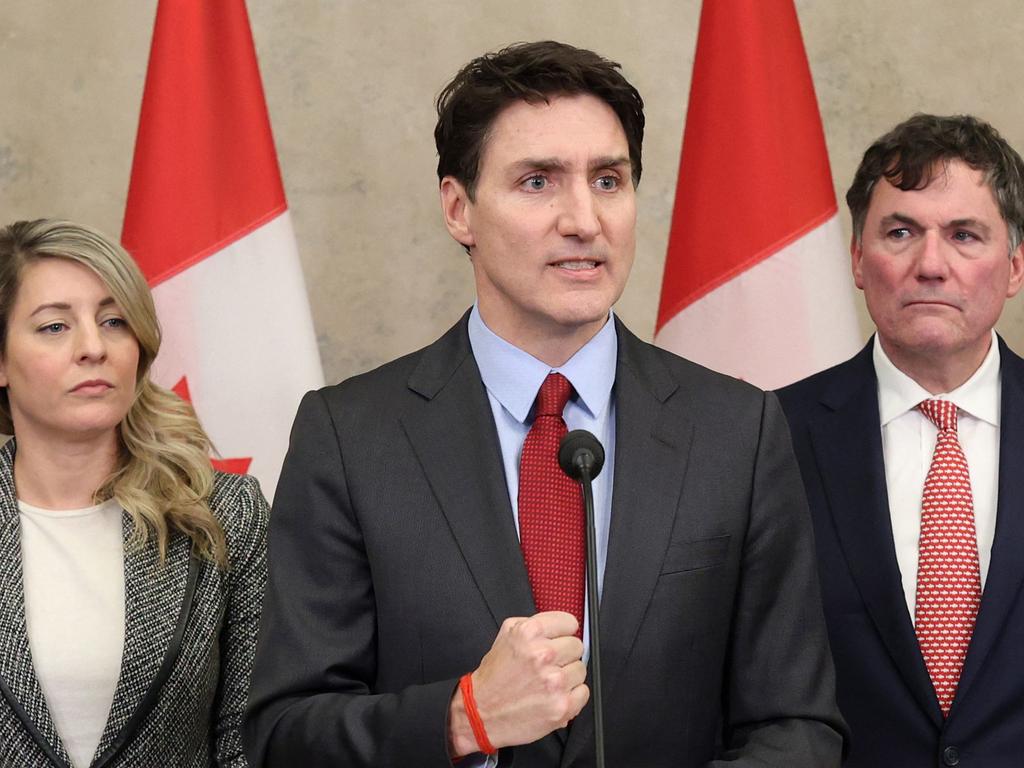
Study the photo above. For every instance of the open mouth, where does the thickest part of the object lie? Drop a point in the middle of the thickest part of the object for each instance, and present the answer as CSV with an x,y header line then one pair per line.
x,y
576,266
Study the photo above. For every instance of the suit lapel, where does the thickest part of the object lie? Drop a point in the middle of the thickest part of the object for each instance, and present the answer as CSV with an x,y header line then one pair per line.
x,y
154,616
651,441
1006,568
18,681
848,446
453,435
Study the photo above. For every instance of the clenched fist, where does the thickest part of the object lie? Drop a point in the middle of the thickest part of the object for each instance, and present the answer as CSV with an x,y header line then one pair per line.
x,y
530,683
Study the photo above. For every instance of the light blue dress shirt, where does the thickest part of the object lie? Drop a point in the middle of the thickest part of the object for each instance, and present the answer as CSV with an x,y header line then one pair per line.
x,y
513,377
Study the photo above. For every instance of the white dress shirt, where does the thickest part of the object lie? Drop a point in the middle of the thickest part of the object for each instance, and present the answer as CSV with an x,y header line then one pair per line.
x,y
908,441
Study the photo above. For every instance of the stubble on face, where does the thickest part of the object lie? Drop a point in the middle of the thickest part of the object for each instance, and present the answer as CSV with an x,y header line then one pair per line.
x,y
551,230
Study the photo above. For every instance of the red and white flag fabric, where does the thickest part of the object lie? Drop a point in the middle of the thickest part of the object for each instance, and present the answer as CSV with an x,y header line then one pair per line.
x,y
208,222
757,281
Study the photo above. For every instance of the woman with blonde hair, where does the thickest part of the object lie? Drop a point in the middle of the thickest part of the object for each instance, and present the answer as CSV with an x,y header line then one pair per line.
x,y
131,573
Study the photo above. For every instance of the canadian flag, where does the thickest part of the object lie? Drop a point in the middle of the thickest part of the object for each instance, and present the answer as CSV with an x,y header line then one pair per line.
x,y
757,281
208,223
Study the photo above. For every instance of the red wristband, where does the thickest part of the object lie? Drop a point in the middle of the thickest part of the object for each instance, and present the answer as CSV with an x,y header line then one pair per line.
x,y
479,733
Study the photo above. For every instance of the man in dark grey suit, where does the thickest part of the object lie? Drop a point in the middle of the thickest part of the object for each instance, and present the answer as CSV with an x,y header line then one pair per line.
x,y
921,572
410,620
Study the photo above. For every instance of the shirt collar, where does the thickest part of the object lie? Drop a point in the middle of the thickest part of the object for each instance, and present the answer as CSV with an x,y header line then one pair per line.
x,y
898,393
514,377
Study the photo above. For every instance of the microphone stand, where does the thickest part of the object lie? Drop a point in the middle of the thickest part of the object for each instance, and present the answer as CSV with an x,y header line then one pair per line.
x,y
592,611
581,457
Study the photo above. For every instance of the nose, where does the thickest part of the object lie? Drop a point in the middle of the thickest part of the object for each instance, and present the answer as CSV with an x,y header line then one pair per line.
x,y
578,213
933,258
90,345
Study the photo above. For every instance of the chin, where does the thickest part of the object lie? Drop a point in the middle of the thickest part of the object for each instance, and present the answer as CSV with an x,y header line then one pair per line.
x,y
936,346
93,427
584,313
581,321
926,333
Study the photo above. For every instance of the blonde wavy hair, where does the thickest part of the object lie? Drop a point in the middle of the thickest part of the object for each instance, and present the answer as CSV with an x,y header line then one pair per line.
x,y
163,478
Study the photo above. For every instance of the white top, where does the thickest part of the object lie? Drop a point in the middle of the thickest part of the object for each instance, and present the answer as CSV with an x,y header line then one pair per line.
x,y
73,564
908,441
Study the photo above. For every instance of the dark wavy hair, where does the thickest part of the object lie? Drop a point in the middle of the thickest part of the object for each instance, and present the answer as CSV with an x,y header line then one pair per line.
x,y
531,72
912,153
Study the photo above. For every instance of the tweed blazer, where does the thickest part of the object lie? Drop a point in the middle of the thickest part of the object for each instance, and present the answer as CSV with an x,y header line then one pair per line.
x,y
190,633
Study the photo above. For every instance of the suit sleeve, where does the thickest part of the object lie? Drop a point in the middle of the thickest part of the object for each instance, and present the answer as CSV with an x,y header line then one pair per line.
x,y
245,524
779,698
312,700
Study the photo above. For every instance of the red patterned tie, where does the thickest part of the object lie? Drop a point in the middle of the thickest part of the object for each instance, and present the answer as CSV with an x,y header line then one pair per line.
x,y
551,530
948,577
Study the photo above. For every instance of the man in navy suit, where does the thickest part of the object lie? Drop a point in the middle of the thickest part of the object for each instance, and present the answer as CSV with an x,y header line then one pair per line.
x,y
911,451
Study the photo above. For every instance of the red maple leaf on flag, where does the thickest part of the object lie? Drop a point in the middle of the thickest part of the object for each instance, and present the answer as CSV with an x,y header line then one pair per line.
x,y
235,466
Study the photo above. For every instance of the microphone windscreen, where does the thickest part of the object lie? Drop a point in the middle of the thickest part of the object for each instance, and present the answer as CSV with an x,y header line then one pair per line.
x,y
579,449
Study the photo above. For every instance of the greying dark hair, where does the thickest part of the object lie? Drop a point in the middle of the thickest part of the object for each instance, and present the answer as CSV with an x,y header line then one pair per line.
x,y
531,72
910,154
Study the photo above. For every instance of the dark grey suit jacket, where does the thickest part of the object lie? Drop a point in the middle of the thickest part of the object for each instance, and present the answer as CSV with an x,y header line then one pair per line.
x,y
884,689
188,645
394,559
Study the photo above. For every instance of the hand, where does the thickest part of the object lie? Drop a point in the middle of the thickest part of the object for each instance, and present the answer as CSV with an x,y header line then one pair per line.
x,y
530,683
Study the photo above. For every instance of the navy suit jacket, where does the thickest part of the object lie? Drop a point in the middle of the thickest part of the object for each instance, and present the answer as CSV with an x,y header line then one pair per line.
x,y
884,689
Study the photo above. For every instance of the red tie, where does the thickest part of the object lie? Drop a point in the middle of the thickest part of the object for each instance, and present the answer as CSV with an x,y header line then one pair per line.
x,y
551,530
948,577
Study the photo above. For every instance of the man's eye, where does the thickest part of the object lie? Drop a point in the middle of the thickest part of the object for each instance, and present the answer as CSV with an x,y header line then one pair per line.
x,y
607,183
536,183
899,233
963,237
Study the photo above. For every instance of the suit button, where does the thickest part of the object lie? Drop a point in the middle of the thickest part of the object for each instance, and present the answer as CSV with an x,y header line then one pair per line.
x,y
951,756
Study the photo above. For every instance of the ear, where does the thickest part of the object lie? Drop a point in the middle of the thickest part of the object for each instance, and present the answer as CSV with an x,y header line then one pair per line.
x,y
856,253
1016,271
457,209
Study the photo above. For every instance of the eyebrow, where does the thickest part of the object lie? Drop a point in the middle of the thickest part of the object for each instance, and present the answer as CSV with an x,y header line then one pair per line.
x,y
970,224
555,164
64,306
902,218
898,218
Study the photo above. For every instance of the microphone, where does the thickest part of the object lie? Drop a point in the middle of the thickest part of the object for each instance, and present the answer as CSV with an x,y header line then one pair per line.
x,y
579,453
581,456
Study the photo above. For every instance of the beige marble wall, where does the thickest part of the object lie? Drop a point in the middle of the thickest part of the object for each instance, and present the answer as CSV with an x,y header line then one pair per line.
x,y
350,88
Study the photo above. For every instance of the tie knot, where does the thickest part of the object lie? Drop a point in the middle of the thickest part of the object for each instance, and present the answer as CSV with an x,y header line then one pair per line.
x,y
554,394
941,413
